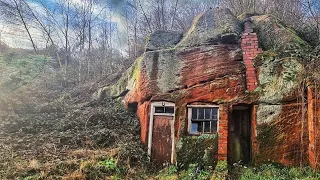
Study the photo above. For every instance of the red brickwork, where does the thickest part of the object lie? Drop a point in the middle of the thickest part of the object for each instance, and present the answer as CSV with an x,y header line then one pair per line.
x,y
223,132
249,46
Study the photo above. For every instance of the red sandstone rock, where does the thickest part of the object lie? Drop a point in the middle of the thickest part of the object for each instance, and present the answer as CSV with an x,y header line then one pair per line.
x,y
214,74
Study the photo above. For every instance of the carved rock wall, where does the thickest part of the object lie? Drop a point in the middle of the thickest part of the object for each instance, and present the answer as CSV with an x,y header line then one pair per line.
x,y
212,65
284,136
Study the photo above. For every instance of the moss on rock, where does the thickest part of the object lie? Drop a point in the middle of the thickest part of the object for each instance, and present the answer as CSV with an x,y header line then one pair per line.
x,y
214,25
163,40
127,81
163,67
274,35
278,77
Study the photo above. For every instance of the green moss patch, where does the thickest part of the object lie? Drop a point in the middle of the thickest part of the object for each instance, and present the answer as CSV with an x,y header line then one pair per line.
x,y
197,150
163,67
274,35
214,25
127,81
279,78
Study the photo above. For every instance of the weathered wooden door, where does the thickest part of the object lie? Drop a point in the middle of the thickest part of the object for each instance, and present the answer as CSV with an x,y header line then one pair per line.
x,y
239,137
162,140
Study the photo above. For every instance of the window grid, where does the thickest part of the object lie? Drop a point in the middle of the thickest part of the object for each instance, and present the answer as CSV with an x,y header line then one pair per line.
x,y
205,121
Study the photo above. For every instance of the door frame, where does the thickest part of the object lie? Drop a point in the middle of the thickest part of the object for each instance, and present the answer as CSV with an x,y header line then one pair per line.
x,y
152,114
249,109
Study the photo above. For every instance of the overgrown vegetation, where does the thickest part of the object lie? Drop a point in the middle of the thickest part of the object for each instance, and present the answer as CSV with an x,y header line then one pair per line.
x,y
200,150
271,172
49,131
194,171
18,68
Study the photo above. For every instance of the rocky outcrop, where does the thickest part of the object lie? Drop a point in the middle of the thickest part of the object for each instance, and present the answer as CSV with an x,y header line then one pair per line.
x,y
210,65
279,78
214,26
163,40
275,35
165,70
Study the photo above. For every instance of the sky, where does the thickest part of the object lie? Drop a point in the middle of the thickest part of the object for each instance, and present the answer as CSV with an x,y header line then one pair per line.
x,y
16,36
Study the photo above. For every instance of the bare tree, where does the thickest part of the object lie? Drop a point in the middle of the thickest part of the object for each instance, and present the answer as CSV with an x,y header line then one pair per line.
x,y
18,6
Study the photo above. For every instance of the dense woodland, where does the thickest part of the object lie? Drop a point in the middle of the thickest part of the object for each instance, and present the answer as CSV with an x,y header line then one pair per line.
x,y
52,123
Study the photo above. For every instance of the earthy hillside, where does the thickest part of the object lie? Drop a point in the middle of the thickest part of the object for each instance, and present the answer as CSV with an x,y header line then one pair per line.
x,y
50,132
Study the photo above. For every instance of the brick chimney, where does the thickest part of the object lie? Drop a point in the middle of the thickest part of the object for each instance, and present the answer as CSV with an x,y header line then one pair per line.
x,y
249,46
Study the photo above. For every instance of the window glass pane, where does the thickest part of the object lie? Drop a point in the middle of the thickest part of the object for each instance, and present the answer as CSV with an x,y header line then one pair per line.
x,y
201,113
204,120
207,113
194,113
214,126
159,109
200,127
215,113
194,127
206,126
169,110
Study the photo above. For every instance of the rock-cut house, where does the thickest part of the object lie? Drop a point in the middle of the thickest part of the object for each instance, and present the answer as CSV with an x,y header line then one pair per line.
x,y
221,92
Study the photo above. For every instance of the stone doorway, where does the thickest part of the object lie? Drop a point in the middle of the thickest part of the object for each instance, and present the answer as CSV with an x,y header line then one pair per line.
x,y
239,135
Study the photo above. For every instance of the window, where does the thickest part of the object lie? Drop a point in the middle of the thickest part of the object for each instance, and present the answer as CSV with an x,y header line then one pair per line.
x,y
203,120
164,109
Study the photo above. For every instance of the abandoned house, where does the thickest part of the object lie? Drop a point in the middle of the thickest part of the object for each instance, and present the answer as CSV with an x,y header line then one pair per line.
x,y
228,89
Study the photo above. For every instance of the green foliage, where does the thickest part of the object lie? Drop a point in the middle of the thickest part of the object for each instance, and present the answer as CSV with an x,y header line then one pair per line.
x,y
272,172
221,166
203,174
109,164
172,169
221,170
95,171
169,172
196,149
191,173
102,169
33,177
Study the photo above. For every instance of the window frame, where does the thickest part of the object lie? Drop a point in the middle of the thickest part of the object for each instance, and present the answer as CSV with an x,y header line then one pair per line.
x,y
164,113
189,112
